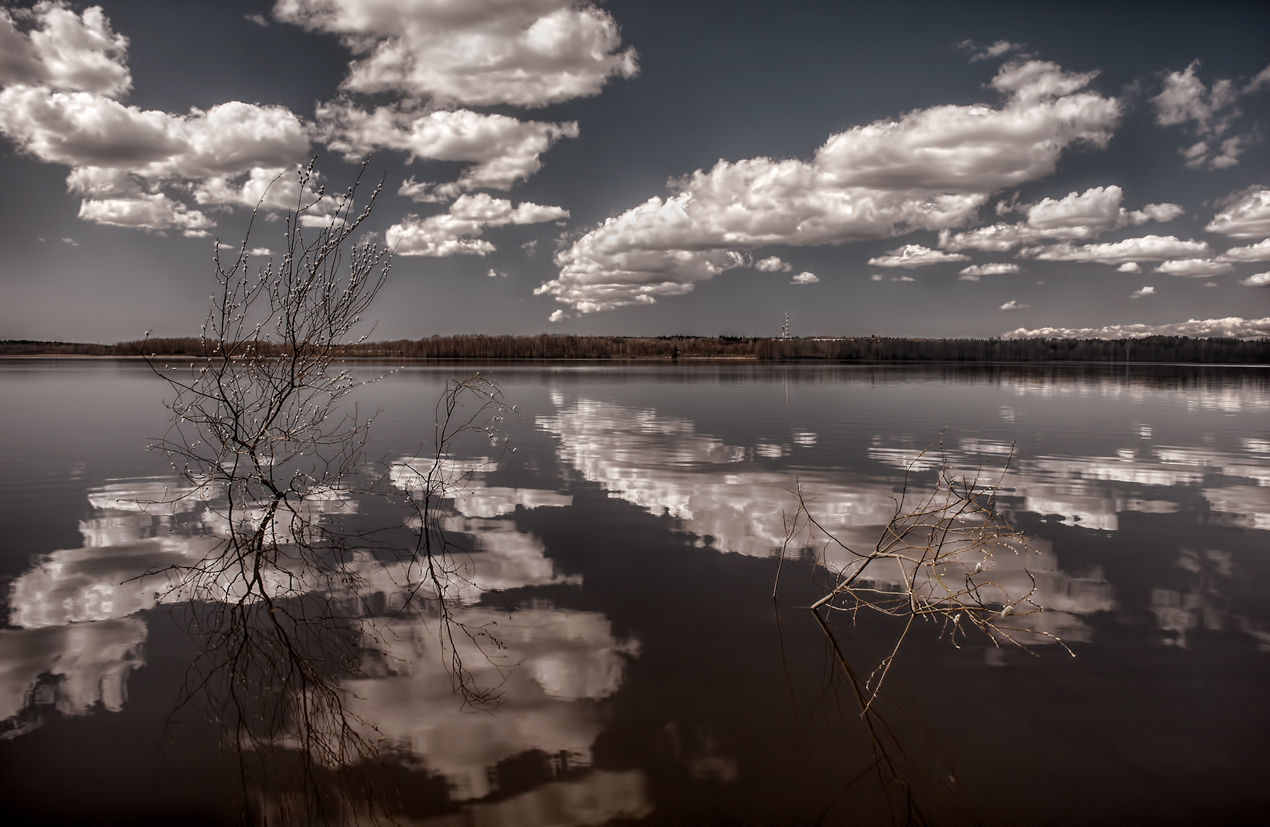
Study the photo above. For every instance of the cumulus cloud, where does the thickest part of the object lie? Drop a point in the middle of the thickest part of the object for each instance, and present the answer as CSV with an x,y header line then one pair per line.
x,y
974,271
1253,252
1130,250
1232,327
120,155
805,278
146,212
1211,112
458,231
1256,280
1076,216
1194,268
479,52
1145,290
915,255
929,169
1013,305
504,149
62,75
1129,267
50,45
1246,214
773,264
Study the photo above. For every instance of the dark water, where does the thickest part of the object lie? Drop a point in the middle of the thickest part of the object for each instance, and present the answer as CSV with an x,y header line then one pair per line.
x,y
623,557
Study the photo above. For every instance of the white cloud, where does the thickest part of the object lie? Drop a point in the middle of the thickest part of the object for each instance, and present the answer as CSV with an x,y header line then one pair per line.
x,y
1256,280
902,278
773,264
1129,267
877,277
1213,111
85,129
1146,290
1186,98
1146,248
146,212
997,49
70,241
1076,216
479,52
1194,268
458,231
61,73
1013,305
258,19
117,151
1253,252
974,271
805,278
1162,213
929,169
1232,327
915,255
504,150
556,316
50,45
1246,214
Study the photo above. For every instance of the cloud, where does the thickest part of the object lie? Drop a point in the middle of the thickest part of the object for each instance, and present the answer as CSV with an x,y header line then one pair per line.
x,y
1129,267
70,241
929,169
62,73
258,19
556,315
1076,216
504,150
1146,248
1213,110
974,271
1142,291
773,264
1253,252
1194,268
457,232
1246,214
1256,280
114,149
479,52
1232,327
902,278
997,49
154,212
1013,305
50,45
805,278
915,255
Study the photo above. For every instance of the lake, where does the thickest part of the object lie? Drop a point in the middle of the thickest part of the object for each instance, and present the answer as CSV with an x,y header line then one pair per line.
x,y
610,649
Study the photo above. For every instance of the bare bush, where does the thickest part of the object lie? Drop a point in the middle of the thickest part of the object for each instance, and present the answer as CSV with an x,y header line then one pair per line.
x,y
260,436
932,563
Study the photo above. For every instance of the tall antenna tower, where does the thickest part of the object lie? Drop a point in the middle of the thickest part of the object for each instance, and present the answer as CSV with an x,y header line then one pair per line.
x,y
785,328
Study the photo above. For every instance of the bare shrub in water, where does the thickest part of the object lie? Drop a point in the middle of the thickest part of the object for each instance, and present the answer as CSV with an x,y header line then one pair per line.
x,y
259,435
932,563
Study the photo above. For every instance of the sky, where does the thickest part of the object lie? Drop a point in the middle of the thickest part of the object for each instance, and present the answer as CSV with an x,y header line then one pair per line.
x,y
639,167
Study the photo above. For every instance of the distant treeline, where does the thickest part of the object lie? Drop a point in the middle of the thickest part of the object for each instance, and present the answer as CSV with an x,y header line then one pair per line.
x,y
856,349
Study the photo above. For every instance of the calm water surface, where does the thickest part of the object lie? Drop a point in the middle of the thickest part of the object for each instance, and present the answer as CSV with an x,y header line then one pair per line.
x,y
623,558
